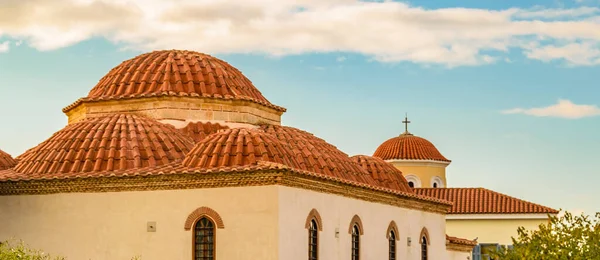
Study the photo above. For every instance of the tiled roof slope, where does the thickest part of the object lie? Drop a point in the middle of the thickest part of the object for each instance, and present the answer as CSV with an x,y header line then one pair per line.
x,y
408,147
383,172
106,143
483,201
316,155
199,130
240,147
6,161
175,73
460,241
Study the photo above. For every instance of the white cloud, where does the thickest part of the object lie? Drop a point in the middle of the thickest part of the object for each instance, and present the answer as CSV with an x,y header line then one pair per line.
x,y
573,53
563,109
384,30
5,46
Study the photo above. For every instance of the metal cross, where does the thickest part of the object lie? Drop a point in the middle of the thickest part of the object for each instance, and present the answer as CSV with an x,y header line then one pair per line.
x,y
406,122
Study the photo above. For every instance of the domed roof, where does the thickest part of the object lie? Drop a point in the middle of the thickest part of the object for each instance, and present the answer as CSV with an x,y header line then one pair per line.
x,y
106,143
239,147
408,147
6,161
383,172
176,73
316,155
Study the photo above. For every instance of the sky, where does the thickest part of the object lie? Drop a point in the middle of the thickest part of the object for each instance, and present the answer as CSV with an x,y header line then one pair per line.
x,y
507,90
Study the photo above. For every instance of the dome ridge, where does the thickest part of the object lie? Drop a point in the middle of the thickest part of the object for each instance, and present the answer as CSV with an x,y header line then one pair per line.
x,y
106,143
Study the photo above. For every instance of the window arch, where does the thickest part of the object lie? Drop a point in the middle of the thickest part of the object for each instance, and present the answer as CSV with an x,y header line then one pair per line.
x,y
392,237
424,241
413,181
356,230
436,182
313,224
203,222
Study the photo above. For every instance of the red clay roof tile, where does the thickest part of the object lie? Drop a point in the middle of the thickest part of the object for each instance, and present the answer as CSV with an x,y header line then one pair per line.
x,y
383,172
111,142
240,147
316,155
175,73
482,201
408,147
6,161
460,241
199,130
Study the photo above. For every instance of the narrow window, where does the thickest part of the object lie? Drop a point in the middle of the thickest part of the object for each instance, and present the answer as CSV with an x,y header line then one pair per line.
x,y
313,239
355,242
411,184
392,245
424,248
204,240
435,185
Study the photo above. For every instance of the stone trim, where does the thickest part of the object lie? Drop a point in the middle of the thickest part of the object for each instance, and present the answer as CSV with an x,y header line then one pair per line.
x,y
203,212
424,233
356,221
213,180
314,214
392,227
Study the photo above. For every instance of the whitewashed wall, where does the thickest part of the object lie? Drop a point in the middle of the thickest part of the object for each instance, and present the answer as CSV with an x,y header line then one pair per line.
x,y
105,226
337,212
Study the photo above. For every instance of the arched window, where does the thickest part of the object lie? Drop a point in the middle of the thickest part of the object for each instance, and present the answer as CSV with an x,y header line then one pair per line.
x,y
392,245
355,242
411,184
313,240
204,239
424,248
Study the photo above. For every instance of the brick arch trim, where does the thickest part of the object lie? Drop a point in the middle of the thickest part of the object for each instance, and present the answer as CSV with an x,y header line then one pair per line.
x,y
424,233
356,220
314,214
203,212
392,226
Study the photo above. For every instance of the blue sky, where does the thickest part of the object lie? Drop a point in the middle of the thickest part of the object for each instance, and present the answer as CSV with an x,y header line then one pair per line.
x,y
352,86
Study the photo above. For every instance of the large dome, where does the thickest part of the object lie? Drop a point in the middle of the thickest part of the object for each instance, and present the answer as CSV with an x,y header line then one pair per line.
x,y
408,147
107,143
176,73
6,161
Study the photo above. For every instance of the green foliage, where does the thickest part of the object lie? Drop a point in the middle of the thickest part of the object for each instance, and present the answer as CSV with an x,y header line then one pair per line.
x,y
564,238
10,250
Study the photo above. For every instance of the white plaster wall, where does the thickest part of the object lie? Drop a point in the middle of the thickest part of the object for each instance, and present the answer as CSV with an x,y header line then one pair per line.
x,y
112,226
337,212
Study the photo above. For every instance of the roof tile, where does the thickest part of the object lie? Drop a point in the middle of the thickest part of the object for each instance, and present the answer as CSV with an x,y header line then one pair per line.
x,y
483,201
408,147
383,172
6,161
199,130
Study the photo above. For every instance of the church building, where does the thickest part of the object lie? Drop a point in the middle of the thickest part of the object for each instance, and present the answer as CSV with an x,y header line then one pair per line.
x,y
476,213
177,155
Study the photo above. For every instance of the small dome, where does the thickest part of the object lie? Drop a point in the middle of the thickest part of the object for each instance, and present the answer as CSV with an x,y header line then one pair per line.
x,y
408,147
106,143
176,73
316,155
200,130
383,172
240,147
6,161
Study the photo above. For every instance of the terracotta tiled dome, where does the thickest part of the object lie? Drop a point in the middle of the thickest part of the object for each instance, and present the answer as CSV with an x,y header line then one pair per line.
x,y
106,143
199,130
383,172
6,161
408,147
240,147
316,155
176,73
